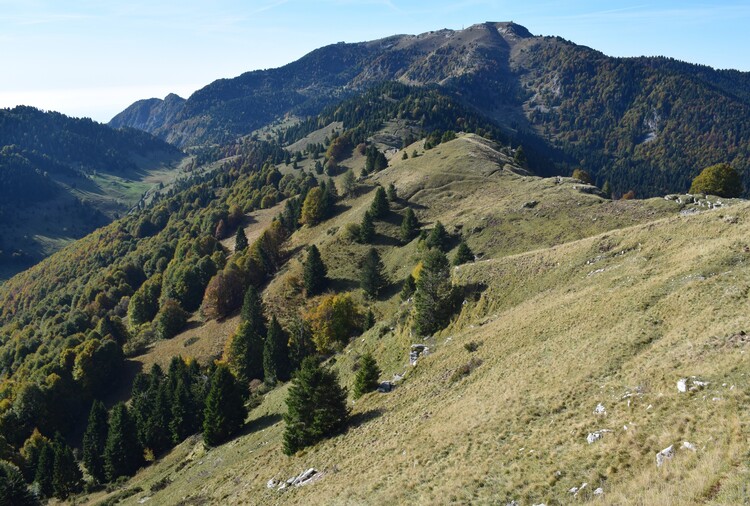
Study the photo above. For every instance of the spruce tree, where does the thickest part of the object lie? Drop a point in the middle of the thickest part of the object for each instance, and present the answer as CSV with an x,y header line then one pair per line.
x,y
94,440
315,272
225,411
276,354
367,376
245,349
409,286
367,229
240,240
391,192
433,297
316,407
66,476
301,344
438,238
463,254
369,320
184,419
372,278
44,470
379,207
122,452
13,489
409,226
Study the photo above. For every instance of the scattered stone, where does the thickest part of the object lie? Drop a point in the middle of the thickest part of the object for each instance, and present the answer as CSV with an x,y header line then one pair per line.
x,y
576,490
417,350
600,410
664,455
688,446
690,384
385,387
144,499
271,483
596,435
599,491
531,204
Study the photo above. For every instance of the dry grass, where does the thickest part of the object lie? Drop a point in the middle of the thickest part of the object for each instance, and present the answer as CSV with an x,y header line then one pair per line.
x,y
613,311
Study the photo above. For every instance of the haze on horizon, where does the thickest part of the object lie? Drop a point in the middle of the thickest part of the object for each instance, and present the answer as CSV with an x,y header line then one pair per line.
x,y
86,58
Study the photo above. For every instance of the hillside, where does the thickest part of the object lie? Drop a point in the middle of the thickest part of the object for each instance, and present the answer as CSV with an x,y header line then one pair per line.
x,y
644,124
571,300
61,178
576,301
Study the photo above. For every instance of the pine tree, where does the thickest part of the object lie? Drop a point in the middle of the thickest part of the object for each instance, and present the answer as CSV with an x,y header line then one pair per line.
x,y
44,469
379,207
245,349
66,476
367,229
433,297
438,238
122,452
276,354
13,489
225,411
367,376
240,240
315,272
409,226
94,440
463,254
316,407
372,278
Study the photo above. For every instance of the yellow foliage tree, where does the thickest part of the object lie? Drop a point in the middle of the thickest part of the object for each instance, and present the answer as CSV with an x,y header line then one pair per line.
x,y
333,321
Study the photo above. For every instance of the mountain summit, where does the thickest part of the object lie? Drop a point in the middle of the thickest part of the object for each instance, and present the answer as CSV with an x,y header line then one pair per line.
x,y
644,124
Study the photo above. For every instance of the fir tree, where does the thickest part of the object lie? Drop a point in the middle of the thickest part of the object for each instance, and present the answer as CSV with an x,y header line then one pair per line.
x,y
379,207
66,476
276,354
316,407
225,408
94,440
240,240
463,254
372,278
367,376
122,452
315,272
44,470
438,238
433,297
367,229
409,226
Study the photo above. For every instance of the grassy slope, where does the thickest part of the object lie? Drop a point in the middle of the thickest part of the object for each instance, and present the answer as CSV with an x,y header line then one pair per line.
x,y
613,311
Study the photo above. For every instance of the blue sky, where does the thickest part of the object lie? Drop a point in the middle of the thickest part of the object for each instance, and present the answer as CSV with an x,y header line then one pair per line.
x,y
95,57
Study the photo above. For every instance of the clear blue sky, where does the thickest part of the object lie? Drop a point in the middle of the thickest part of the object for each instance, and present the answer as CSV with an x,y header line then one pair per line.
x,y
95,57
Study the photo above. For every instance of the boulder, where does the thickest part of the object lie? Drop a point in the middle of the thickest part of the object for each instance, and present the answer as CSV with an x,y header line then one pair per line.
x,y
596,435
600,410
664,455
690,384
